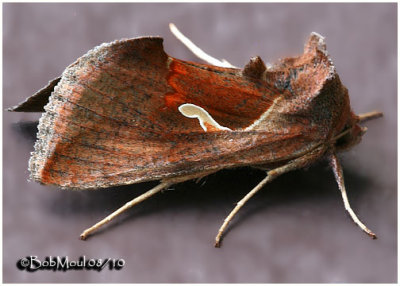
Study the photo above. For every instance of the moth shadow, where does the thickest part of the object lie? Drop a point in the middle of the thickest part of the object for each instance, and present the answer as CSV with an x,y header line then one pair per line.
x,y
214,194
28,130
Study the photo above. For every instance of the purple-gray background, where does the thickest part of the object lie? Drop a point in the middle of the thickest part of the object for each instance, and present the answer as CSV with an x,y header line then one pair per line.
x,y
295,230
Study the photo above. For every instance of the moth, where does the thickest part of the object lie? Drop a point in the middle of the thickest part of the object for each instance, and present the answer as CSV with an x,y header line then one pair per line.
x,y
126,112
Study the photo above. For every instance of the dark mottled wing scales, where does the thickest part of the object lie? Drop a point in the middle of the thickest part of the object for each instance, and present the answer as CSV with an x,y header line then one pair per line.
x,y
113,119
36,102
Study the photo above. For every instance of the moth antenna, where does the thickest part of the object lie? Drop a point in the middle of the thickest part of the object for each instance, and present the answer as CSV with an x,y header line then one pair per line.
x,y
337,170
196,50
369,115
125,207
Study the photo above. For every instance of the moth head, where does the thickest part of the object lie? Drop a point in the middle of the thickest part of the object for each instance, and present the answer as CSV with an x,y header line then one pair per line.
x,y
351,133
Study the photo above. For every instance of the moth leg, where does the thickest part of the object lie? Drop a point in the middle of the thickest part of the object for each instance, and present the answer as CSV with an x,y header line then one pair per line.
x,y
196,50
272,174
238,207
163,185
125,207
337,170
370,115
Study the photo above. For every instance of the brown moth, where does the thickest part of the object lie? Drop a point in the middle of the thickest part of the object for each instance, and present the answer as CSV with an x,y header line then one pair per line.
x,y
126,112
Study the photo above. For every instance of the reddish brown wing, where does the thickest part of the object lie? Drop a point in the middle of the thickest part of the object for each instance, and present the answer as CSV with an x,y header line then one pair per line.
x,y
113,119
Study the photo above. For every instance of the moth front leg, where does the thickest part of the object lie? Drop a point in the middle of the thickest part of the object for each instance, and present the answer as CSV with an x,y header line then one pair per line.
x,y
297,163
337,170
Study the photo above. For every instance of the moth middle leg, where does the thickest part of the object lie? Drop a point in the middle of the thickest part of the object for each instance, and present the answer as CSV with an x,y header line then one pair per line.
x,y
297,163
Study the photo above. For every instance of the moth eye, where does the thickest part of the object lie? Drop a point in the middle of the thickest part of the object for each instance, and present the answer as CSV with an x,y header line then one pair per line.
x,y
345,140
206,121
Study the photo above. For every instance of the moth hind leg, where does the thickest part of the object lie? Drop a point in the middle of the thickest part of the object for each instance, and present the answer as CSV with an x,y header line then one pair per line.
x,y
125,207
163,185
